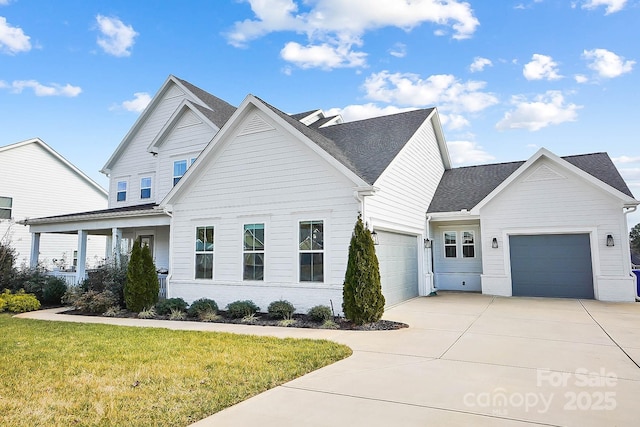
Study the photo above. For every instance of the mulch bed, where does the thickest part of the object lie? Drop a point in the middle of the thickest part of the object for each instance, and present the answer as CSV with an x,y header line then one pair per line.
x,y
262,319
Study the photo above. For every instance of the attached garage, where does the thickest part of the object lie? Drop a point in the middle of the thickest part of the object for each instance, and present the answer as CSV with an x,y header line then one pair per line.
x,y
551,265
398,259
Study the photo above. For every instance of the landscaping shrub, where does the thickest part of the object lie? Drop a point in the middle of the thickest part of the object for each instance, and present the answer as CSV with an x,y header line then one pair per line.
x,y
202,305
168,305
241,309
142,286
90,301
20,302
177,314
281,310
54,290
47,289
362,297
147,313
110,276
3,304
320,313
7,259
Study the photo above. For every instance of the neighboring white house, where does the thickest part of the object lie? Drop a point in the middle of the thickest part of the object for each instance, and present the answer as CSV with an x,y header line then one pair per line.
x,y
36,181
254,203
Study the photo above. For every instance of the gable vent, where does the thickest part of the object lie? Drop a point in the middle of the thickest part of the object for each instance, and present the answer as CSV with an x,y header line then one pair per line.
x,y
188,119
173,92
254,125
544,173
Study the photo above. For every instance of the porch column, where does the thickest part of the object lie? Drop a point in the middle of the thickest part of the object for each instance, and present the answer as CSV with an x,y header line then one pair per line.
x,y
35,250
82,255
116,240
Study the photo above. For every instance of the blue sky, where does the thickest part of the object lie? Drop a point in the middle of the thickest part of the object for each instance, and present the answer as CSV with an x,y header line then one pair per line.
x,y
507,76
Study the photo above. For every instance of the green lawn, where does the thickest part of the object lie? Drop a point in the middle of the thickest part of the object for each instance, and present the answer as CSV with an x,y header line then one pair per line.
x,y
65,374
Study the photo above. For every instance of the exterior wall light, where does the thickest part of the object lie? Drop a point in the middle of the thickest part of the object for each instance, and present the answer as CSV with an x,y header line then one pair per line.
x,y
374,236
494,243
427,243
610,241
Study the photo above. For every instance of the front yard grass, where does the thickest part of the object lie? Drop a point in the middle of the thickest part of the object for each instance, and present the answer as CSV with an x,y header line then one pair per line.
x,y
63,374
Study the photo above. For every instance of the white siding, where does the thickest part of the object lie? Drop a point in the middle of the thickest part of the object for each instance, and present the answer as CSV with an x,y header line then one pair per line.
x,y
407,186
268,177
558,202
41,185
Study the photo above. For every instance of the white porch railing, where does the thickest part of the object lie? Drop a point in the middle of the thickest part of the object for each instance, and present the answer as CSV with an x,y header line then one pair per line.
x,y
162,278
71,279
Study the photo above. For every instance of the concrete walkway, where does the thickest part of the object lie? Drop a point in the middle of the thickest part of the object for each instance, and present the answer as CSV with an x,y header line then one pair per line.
x,y
467,359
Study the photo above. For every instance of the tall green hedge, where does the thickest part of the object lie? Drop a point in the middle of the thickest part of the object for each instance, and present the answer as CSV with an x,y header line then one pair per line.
x,y
362,299
142,287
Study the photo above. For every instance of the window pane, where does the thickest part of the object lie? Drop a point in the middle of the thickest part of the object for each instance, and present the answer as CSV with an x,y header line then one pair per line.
x,y
145,183
179,168
318,235
5,213
467,237
204,239
318,267
312,267
254,237
145,193
305,235
253,266
450,238
121,196
6,202
305,268
468,251
450,251
122,186
204,266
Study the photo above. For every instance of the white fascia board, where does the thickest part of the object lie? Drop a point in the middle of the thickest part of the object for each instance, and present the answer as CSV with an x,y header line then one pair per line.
x,y
543,152
228,129
61,159
175,117
442,142
453,216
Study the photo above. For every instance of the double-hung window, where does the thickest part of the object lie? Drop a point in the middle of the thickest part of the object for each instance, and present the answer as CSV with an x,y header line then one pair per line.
x,y
468,244
5,207
121,194
311,251
253,252
145,188
465,246
204,252
179,169
450,244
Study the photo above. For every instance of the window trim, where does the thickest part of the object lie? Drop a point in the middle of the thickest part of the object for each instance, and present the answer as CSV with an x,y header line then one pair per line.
x,y
9,209
150,187
322,251
246,251
197,252
459,244
177,178
472,244
453,245
119,191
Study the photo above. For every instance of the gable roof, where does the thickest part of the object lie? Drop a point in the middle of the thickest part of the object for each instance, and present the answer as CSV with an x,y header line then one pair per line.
x,y
58,157
465,187
217,111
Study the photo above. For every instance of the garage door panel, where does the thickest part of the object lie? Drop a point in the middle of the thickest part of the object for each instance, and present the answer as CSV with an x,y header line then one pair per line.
x,y
398,259
552,265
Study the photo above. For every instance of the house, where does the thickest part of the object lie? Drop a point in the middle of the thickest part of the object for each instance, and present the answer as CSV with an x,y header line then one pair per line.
x,y
36,181
254,203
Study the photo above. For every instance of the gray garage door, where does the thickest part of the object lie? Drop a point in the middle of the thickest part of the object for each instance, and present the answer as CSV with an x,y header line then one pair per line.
x,y
398,258
551,265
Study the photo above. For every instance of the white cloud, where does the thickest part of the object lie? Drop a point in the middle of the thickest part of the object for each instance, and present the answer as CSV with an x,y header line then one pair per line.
x,y
322,56
454,121
365,111
467,153
399,50
341,24
545,110
13,39
612,5
631,175
442,90
117,38
4,2
581,78
138,103
626,159
607,64
541,67
479,63
39,89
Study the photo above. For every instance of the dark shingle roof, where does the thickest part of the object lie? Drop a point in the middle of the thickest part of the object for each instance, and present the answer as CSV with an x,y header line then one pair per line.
x,y
463,188
219,111
321,122
372,144
300,116
134,208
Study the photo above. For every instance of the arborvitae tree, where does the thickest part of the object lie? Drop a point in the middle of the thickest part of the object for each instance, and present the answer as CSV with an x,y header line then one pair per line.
x,y
142,287
362,299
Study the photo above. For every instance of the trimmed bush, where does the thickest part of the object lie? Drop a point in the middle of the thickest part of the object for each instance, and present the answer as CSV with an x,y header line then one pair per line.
x,y
241,309
110,276
362,297
202,305
90,301
7,259
320,313
281,310
48,289
54,290
20,302
168,305
3,304
142,287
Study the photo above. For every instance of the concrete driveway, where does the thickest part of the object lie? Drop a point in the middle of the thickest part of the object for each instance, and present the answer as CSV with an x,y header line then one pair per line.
x,y
471,359
467,359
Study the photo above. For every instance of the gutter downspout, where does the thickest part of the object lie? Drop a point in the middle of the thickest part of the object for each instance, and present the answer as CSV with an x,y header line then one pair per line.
x,y
432,289
631,209
359,194
165,210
